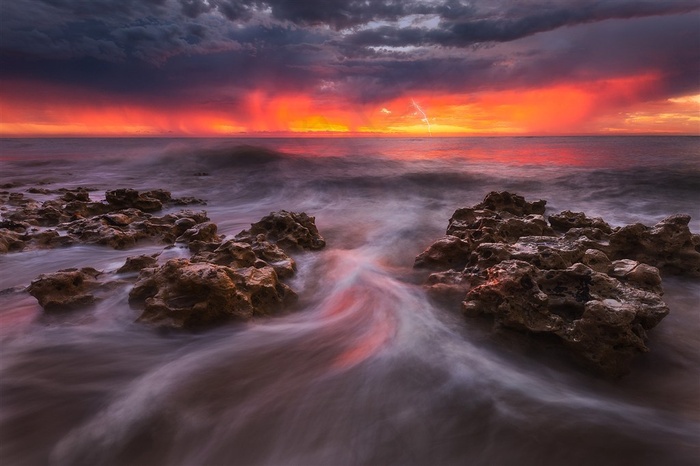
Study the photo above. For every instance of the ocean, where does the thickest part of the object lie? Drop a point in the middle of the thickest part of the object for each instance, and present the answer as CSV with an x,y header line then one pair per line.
x,y
366,370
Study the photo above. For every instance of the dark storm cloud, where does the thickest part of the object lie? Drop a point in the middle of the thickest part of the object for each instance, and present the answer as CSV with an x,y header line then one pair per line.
x,y
362,51
456,31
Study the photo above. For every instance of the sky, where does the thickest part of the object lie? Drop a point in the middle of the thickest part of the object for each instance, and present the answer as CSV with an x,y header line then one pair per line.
x,y
348,67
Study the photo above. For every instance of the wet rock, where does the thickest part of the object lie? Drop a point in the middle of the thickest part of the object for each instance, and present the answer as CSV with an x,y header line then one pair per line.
x,y
11,241
600,319
137,263
597,289
287,229
566,220
203,232
669,245
66,289
126,227
511,203
259,253
126,198
449,252
183,294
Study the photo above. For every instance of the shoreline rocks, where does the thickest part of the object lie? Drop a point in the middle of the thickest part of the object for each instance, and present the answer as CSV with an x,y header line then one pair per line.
x,y
597,289
235,279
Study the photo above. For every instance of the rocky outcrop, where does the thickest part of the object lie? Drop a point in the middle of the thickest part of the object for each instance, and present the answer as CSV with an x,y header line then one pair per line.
x,y
122,219
237,279
596,288
67,289
183,294
287,229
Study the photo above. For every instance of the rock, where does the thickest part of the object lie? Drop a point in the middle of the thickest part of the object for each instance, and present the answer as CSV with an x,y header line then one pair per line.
x,y
600,319
187,295
566,220
286,229
669,245
122,229
66,289
597,289
511,203
125,198
203,232
597,260
11,241
449,252
137,263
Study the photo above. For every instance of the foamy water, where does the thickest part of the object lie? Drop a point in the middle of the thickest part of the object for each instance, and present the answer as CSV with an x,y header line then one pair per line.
x,y
365,370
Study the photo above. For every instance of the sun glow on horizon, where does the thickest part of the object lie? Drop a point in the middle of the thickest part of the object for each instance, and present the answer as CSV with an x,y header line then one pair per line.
x,y
612,106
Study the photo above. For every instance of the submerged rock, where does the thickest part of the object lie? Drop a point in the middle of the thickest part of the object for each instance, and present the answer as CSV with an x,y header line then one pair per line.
x,y
597,289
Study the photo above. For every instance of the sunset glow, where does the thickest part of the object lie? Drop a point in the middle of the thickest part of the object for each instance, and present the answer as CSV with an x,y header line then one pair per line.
x,y
259,74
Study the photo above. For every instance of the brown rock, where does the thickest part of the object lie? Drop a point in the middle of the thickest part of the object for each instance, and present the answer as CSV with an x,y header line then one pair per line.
x,y
66,289
287,229
137,263
448,252
182,294
511,203
669,245
566,220
600,319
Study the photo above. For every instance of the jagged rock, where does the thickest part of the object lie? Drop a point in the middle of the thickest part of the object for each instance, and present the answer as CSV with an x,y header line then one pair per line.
x,y
287,229
260,253
126,198
124,228
597,260
511,203
486,226
596,288
669,245
566,220
182,294
66,289
600,319
448,252
638,274
137,263
11,241
203,232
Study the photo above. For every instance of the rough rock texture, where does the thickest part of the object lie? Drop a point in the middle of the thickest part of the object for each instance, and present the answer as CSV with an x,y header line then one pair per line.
x,y
236,279
66,289
182,294
287,229
119,221
596,288
602,320
137,263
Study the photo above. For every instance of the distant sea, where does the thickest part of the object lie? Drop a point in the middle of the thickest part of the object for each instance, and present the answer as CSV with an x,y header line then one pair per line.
x,y
368,370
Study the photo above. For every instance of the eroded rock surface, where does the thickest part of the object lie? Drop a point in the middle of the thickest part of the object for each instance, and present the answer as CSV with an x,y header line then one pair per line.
x,y
122,219
183,294
66,289
287,229
596,288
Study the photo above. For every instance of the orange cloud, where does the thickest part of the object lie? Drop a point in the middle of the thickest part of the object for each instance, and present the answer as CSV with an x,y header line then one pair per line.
x,y
602,106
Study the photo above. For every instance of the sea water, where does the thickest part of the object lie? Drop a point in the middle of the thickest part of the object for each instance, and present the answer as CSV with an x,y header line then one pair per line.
x,y
365,369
